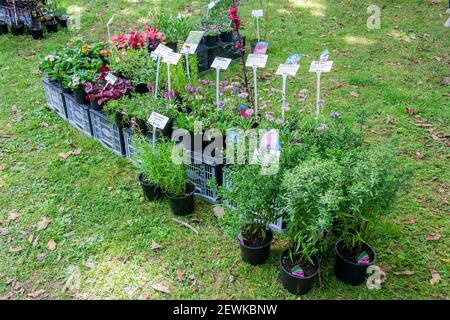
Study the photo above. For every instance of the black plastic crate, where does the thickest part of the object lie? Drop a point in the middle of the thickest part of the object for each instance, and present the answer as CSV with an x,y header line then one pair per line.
x,y
107,132
205,175
78,115
55,97
130,149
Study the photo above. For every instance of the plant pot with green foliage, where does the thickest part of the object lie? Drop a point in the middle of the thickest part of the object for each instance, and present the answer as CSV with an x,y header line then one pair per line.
x,y
51,25
3,27
371,180
175,28
77,81
252,198
211,35
310,195
62,19
161,171
36,31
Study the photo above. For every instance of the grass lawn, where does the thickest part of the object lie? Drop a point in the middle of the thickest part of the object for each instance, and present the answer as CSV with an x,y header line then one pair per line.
x,y
386,80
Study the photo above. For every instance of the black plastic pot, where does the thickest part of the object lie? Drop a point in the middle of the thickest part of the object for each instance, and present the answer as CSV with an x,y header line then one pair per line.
x,y
62,21
51,26
173,46
151,192
141,88
3,27
80,96
297,285
17,29
210,41
36,32
257,255
348,271
226,36
67,90
95,105
182,206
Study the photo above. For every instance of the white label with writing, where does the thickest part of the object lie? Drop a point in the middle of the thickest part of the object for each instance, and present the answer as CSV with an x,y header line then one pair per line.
x,y
288,69
158,120
111,79
257,13
221,63
212,4
161,50
317,66
172,58
192,42
256,60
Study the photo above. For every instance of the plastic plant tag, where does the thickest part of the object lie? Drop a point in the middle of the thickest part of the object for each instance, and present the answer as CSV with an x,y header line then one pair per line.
x,y
161,50
192,42
240,240
288,69
324,56
256,60
221,63
212,4
261,48
363,259
172,58
317,66
257,13
293,58
158,120
111,79
298,272
447,24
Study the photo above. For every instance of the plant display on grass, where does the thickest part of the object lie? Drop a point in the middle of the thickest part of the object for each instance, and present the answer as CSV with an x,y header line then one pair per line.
x,y
102,92
134,65
312,194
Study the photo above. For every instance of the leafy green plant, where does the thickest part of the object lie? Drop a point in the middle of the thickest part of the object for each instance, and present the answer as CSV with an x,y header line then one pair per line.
x,y
252,197
175,28
134,65
158,168
311,195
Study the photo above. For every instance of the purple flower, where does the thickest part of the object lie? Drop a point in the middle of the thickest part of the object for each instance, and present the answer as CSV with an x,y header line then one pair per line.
x,y
210,83
279,121
224,83
322,127
204,82
335,115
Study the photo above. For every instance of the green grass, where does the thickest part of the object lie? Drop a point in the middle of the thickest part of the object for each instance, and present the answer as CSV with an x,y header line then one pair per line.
x,y
103,227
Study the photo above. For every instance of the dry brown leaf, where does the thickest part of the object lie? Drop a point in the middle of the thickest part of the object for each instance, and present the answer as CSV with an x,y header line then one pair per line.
x,y
180,274
12,216
51,245
411,111
35,294
161,287
43,224
4,231
435,277
155,246
420,123
354,94
405,273
16,249
2,166
76,152
36,242
44,124
419,155
65,155
433,237
410,221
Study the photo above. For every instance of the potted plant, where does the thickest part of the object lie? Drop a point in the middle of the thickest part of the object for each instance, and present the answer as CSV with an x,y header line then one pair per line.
x,y
161,172
211,28
371,181
134,65
36,31
100,92
175,29
61,14
49,19
251,196
3,27
310,197
226,30
76,84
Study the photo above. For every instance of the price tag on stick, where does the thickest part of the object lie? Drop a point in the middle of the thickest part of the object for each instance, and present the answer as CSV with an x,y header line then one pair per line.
x,y
288,69
159,121
219,64
256,61
160,52
172,58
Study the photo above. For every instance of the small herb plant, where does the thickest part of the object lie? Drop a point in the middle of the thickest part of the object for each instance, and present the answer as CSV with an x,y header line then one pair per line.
x,y
175,28
134,65
158,168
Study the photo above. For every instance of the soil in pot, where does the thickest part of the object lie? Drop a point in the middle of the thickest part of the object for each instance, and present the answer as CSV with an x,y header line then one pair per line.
x,y
80,96
62,21
297,284
17,29
51,26
210,41
3,27
151,192
226,36
346,266
182,206
37,32
254,248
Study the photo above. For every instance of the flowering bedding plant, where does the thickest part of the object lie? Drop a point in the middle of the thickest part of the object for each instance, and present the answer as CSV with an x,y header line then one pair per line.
x,y
101,91
135,40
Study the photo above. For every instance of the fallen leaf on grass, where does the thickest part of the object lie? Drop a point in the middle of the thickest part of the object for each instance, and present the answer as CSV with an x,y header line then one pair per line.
x,y
405,273
219,212
231,279
155,246
2,167
420,123
160,287
51,245
36,242
410,221
40,257
433,237
354,94
435,277
43,224
180,274
66,155
445,81
419,155
44,124
16,249
35,294
411,111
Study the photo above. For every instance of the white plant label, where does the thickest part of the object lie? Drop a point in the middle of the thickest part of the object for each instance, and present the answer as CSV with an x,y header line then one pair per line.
x,y
256,60
258,13
158,120
192,42
221,63
161,51
212,4
317,66
288,69
154,56
172,58
447,24
111,79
